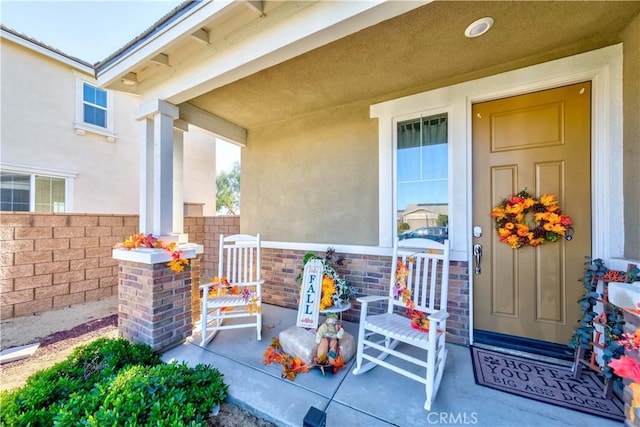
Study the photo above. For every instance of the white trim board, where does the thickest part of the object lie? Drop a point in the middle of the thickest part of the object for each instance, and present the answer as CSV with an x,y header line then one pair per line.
x,y
322,247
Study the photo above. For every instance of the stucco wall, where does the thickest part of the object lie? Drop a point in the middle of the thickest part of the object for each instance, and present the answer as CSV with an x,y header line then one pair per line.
x,y
631,82
313,179
38,111
200,169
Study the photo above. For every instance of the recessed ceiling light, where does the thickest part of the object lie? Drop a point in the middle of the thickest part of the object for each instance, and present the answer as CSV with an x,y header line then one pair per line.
x,y
479,27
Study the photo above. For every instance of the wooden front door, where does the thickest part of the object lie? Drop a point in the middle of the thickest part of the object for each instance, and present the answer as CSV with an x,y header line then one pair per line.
x,y
540,142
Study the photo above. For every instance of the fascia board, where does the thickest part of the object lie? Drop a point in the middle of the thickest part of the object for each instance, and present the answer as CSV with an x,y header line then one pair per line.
x,y
253,49
48,53
185,24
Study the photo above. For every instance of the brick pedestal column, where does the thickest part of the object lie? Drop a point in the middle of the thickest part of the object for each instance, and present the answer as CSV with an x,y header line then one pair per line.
x,y
195,291
154,304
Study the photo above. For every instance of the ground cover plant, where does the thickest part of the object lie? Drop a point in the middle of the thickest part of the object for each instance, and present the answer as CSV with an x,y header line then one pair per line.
x,y
114,382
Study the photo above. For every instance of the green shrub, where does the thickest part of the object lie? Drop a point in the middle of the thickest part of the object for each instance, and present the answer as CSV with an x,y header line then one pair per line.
x,y
171,395
114,382
47,390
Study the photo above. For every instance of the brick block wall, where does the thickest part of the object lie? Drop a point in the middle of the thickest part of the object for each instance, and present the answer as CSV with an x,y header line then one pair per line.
x,y
55,260
371,275
213,228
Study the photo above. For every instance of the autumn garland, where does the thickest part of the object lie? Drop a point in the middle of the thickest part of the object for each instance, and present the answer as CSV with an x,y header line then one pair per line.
x,y
141,240
418,318
292,366
523,220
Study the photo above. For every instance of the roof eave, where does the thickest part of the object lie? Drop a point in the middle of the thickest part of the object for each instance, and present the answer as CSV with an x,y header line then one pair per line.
x,y
348,16
36,46
153,41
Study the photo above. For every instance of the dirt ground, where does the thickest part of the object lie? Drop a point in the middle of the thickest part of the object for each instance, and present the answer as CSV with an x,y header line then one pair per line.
x,y
60,331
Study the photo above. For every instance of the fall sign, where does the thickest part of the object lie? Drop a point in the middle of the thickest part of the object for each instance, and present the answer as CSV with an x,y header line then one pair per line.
x,y
309,308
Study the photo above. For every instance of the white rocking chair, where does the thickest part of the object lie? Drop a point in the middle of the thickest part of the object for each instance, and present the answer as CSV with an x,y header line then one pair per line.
x,y
380,334
239,264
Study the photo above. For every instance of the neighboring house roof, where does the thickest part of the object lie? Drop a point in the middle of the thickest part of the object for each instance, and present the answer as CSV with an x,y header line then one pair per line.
x,y
436,208
43,48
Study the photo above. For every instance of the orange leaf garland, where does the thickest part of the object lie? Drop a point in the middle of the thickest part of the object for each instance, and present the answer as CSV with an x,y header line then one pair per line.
x,y
140,240
419,319
339,364
291,366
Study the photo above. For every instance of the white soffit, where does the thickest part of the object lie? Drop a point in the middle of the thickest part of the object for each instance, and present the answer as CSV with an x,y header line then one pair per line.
x,y
259,45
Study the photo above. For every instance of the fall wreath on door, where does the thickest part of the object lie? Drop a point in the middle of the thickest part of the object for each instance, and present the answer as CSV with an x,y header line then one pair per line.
x,y
524,220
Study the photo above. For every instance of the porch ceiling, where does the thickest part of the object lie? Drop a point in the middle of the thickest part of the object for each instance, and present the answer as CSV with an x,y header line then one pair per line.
x,y
418,51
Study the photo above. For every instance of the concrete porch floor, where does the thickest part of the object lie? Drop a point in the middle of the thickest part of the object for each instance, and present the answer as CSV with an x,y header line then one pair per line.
x,y
377,398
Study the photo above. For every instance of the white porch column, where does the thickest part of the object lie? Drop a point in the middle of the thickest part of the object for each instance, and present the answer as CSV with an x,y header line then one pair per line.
x,y
179,128
156,167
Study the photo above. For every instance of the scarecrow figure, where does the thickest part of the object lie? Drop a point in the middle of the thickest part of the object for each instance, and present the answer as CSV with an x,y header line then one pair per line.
x,y
327,338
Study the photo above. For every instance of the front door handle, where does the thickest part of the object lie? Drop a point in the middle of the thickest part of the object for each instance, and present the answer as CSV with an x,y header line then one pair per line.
x,y
477,254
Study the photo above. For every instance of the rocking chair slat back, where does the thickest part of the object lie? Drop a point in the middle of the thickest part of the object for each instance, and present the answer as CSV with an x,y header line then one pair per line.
x,y
426,267
242,259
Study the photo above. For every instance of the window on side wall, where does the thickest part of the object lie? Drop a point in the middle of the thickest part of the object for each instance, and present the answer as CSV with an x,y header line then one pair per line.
x,y
32,193
94,105
94,110
423,178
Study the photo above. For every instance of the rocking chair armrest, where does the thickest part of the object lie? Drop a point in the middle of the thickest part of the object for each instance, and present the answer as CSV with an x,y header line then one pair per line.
x,y
438,316
365,300
371,298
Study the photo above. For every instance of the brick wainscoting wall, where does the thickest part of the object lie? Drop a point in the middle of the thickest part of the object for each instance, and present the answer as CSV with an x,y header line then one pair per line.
x,y
55,260
370,275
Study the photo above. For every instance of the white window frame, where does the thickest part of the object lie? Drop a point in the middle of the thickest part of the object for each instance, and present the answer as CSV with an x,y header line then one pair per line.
x,y
413,116
33,171
79,125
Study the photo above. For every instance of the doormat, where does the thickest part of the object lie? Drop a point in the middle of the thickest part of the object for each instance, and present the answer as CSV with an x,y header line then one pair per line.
x,y
545,382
